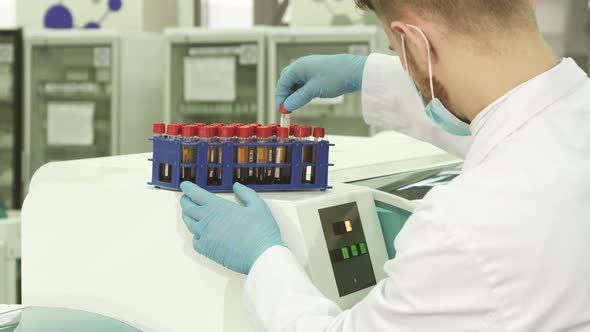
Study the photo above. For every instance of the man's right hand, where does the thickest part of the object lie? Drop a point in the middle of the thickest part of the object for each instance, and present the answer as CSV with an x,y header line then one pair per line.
x,y
319,76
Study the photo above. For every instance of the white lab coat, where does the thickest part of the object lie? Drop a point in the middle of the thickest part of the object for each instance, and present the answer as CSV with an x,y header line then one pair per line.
x,y
504,247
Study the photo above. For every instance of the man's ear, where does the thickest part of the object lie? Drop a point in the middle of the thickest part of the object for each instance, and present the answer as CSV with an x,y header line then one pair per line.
x,y
415,44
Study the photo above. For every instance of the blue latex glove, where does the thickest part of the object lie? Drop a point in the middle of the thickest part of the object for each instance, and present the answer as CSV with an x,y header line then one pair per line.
x,y
319,76
228,233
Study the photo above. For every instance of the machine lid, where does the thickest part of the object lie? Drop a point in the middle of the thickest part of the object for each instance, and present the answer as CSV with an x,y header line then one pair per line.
x,y
38,319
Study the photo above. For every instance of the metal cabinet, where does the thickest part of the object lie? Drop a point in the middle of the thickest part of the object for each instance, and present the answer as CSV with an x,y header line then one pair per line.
x,y
11,112
89,94
215,75
340,116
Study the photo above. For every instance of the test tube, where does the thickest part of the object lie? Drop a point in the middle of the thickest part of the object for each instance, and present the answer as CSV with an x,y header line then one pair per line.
x,y
285,116
264,154
159,129
282,175
180,126
217,125
245,155
318,135
173,131
199,124
292,129
189,154
208,134
302,135
165,169
226,134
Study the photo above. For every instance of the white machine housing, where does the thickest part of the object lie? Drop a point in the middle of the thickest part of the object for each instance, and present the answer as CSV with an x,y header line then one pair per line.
x,y
301,228
97,238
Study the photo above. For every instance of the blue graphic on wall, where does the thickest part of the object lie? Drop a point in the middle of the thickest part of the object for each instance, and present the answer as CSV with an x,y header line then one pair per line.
x,y
59,16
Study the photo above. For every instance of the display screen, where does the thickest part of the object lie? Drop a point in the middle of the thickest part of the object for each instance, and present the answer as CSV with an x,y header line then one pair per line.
x,y
342,227
348,249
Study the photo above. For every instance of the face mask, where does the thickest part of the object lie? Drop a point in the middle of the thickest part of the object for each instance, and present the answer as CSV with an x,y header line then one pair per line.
x,y
435,109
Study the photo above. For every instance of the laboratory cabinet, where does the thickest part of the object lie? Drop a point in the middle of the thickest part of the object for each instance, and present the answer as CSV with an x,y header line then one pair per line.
x,y
11,113
89,94
10,259
340,116
215,75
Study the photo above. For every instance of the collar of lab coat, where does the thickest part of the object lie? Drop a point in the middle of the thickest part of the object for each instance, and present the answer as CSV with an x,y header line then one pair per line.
x,y
517,107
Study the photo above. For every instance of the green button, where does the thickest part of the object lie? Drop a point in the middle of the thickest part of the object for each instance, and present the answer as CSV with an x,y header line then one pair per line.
x,y
363,247
345,253
354,250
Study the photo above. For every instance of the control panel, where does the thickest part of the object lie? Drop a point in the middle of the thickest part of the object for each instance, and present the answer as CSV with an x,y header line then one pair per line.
x,y
347,247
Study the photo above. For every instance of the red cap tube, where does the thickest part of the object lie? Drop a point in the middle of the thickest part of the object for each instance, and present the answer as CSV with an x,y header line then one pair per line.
x,y
159,128
173,130
292,129
199,124
283,132
217,124
319,132
303,131
283,110
245,131
264,132
189,131
227,131
207,131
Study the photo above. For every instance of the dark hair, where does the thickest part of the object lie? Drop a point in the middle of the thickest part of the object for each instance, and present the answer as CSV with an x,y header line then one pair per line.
x,y
365,4
464,14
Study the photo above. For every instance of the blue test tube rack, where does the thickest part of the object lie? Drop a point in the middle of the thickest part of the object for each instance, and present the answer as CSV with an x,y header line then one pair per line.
x,y
168,151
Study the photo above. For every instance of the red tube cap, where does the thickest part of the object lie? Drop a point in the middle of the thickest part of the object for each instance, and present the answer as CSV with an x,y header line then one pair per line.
x,y
199,124
207,131
283,132
173,130
283,110
245,131
264,132
303,131
189,131
159,128
217,124
292,129
227,131
319,132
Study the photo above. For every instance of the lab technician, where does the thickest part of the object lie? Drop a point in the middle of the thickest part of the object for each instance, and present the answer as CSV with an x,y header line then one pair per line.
x,y
505,246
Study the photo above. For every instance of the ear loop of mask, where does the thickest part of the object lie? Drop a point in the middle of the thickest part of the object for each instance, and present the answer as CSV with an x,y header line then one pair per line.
x,y
429,56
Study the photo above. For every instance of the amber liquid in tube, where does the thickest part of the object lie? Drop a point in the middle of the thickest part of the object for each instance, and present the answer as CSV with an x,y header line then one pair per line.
x,y
245,155
165,169
282,174
243,158
189,155
226,134
261,158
